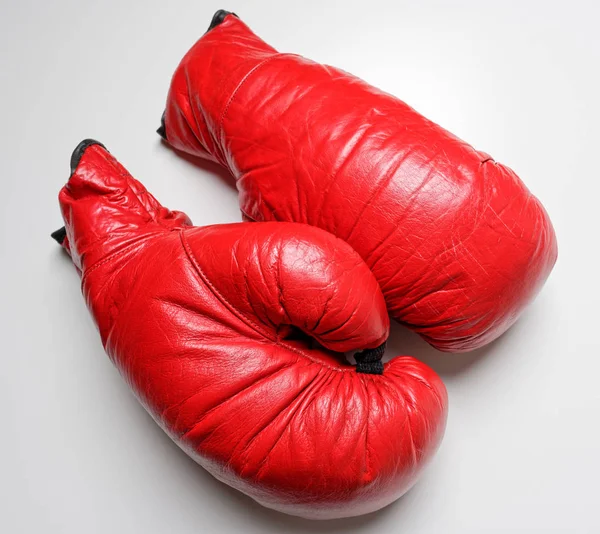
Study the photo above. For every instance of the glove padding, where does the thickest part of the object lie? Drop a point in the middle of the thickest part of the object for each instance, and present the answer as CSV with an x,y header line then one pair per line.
x,y
210,327
457,243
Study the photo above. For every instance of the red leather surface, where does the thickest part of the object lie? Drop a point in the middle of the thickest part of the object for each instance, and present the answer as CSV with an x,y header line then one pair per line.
x,y
457,242
203,324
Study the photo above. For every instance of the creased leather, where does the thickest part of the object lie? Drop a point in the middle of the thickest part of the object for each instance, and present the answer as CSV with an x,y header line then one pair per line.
x,y
457,242
231,336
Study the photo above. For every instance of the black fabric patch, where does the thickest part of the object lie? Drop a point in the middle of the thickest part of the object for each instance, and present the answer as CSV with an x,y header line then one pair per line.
x,y
80,149
162,131
59,235
369,360
219,17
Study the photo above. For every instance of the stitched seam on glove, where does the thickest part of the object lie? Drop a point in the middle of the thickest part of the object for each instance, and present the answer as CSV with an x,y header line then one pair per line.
x,y
117,253
218,294
242,82
152,214
245,319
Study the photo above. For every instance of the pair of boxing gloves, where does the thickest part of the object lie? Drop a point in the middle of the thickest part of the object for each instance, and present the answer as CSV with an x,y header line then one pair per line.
x,y
231,335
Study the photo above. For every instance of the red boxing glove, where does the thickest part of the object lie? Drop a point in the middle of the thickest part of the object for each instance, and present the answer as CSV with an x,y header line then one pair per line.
x,y
210,327
457,242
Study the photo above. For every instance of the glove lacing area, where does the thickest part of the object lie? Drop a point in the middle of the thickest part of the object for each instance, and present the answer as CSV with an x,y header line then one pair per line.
x,y
369,361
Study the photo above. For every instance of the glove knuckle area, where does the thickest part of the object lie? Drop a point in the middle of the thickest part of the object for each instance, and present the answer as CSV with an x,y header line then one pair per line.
x,y
284,274
305,436
310,441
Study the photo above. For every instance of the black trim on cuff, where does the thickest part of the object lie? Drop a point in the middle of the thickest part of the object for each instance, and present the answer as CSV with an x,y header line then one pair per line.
x,y
219,17
80,149
59,235
369,360
162,131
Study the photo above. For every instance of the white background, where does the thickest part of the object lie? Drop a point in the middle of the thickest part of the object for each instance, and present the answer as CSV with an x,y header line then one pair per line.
x,y
518,79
